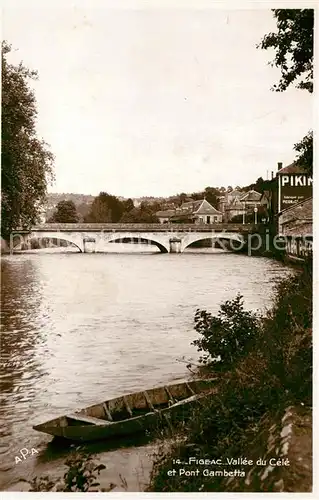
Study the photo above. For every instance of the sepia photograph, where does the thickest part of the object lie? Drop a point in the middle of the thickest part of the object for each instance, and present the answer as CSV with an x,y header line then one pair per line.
x,y
156,247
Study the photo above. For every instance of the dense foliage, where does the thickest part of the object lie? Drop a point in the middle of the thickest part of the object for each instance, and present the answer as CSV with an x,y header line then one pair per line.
x,y
26,160
65,212
109,208
293,44
274,373
81,476
105,208
305,150
143,214
227,337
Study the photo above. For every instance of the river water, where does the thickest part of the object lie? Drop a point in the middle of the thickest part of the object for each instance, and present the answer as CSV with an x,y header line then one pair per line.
x,y
78,329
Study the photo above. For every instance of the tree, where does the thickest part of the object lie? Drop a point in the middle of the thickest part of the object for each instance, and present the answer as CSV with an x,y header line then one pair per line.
x,y
131,216
65,212
148,217
155,206
305,150
139,216
227,337
182,198
105,208
128,205
83,210
27,164
144,205
211,195
259,185
99,211
196,196
293,44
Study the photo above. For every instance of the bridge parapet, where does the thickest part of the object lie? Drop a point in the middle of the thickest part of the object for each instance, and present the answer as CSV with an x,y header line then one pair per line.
x,y
118,227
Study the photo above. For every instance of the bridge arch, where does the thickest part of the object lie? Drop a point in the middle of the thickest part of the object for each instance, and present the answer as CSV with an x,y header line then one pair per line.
x,y
138,239
27,238
220,237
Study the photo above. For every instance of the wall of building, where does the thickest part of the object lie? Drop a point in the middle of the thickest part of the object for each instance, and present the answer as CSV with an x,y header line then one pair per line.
x,y
295,225
297,218
209,219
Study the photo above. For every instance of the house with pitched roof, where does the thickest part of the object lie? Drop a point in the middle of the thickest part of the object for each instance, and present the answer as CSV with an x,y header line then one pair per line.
x,y
191,212
238,203
165,215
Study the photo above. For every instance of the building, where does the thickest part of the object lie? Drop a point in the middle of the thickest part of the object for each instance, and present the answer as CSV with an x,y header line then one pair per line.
x,y
227,199
239,204
191,212
295,225
290,186
165,215
287,201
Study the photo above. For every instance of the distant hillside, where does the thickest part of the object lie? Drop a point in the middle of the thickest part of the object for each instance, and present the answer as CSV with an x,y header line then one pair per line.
x,y
81,201
54,198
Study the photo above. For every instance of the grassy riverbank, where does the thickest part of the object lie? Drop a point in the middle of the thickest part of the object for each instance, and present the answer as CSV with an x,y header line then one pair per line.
x,y
262,410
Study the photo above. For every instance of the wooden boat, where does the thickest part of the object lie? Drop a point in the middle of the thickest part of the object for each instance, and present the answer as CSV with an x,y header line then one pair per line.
x,y
128,414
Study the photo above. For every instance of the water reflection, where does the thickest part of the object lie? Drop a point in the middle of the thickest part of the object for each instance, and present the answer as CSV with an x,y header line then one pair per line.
x,y
21,303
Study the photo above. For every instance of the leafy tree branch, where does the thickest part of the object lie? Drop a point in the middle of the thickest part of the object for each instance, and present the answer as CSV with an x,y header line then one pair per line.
x,y
27,163
293,44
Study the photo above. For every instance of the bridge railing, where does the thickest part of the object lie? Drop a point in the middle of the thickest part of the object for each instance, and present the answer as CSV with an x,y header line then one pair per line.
x,y
107,227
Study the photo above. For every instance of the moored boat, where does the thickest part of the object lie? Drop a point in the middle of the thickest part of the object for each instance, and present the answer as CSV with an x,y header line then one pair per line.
x,y
128,414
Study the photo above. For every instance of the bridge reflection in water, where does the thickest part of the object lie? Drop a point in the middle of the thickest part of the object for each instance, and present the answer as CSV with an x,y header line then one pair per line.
x,y
169,238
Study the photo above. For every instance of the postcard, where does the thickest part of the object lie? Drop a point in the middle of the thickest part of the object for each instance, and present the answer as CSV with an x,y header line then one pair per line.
x,y
157,246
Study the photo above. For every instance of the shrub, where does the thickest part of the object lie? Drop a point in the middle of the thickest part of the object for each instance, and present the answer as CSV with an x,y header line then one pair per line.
x,y
81,475
228,336
272,373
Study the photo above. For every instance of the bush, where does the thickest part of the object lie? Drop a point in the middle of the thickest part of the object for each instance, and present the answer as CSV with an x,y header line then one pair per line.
x,y
228,336
81,475
271,372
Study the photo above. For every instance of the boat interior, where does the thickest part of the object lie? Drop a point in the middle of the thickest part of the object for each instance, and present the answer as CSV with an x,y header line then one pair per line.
x,y
133,405
137,404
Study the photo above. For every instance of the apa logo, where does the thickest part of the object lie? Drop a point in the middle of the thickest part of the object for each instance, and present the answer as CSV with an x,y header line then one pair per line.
x,y
24,453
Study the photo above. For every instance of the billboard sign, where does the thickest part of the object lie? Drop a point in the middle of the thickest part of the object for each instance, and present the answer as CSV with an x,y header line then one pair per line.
x,y
293,188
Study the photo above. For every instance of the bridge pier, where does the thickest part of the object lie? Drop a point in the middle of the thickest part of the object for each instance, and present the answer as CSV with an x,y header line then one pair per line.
x,y
19,241
175,245
89,245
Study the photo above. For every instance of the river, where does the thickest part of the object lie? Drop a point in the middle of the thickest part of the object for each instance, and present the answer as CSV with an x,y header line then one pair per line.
x,y
78,329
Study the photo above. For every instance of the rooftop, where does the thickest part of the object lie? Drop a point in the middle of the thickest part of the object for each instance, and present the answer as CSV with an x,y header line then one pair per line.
x,y
291,169
191,206
251,195
199,207
165,213
235,193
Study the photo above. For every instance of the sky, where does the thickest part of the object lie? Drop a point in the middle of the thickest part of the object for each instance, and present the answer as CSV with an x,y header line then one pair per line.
x,y
155,100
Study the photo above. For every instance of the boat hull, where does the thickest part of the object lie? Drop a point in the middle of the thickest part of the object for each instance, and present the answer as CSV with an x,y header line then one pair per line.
x,y
91,424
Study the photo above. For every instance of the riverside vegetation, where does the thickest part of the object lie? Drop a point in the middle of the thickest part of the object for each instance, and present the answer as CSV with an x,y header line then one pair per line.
x,y
81,475
265,367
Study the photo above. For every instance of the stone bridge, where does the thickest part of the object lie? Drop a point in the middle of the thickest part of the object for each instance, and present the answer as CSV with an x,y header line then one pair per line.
x,y
172,238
